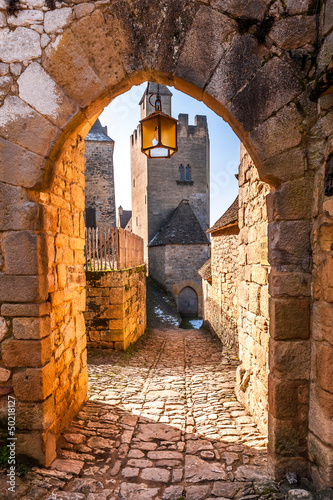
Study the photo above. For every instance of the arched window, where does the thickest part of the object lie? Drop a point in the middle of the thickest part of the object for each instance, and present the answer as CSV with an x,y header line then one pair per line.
x,y
188,173
181,173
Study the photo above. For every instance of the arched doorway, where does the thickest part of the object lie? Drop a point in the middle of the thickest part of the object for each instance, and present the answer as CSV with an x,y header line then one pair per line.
x,y
188,303
255,87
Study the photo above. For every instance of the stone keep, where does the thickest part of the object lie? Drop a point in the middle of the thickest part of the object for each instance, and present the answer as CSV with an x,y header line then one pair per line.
x,y
160,185
100,206
157,188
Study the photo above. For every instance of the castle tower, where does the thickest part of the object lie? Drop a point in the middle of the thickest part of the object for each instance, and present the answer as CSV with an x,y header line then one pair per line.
x,y
100,208
159,185
169,190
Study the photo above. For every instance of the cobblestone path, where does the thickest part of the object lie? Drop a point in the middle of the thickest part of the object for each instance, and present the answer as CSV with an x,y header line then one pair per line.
x,y
161,423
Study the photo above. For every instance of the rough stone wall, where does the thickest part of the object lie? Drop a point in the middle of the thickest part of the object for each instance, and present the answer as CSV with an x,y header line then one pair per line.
x,y
99,189
116,307
253,314
321,386
43,343
220,297
176,266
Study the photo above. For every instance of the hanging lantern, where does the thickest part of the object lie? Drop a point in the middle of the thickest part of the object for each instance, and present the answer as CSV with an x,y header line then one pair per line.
x,y
158,132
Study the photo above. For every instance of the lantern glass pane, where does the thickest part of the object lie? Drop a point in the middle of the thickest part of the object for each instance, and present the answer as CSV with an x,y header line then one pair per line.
x,y
168,132
149,132
159,153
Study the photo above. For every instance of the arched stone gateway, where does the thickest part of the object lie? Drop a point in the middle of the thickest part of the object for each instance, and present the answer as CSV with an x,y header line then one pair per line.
x,y
188,302
255,64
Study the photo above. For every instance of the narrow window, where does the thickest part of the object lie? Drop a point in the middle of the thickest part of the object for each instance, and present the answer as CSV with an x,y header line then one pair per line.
x,y
90,217
188,173
181,173
134,183
137,221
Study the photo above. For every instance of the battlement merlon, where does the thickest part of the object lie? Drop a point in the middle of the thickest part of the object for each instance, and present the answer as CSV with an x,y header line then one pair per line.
x,y
136,135
200,126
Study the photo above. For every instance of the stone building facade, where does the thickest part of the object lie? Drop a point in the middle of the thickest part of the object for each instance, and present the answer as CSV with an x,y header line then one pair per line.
x,y
100,204
236,302
220,279
253,296
160,185
176,253
271,80
116,307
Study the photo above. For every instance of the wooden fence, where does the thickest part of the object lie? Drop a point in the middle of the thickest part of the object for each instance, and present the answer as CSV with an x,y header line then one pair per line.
x,y
112,248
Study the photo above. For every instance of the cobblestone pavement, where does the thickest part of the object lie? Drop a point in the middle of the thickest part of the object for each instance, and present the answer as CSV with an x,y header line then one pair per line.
x,y
162,422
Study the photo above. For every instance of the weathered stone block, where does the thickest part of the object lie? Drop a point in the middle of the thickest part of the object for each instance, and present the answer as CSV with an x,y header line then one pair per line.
x,y
293,32
39,446
25,253
289,359
291,284
21,44
322,321
324,359
32,353
287,437
321,455
38,89
290,318
68,65
31,328
291,201
25,18
289,244
281,132
19,166
23,288
283,397
33,416
93,32
272,88
283,166
320,413
239,64
39,137
57,19
32,310
218,29
17,212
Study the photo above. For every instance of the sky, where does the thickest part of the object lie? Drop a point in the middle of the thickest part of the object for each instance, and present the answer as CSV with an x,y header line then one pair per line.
x,y
122,117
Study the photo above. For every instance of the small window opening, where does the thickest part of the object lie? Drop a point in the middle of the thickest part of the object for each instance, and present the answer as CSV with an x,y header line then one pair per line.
x,y
188,173
181,173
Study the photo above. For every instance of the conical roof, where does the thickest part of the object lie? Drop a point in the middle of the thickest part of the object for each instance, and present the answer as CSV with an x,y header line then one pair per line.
x,y
98,133
183,228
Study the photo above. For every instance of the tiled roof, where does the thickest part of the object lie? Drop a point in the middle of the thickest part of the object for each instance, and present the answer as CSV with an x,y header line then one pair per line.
x,y
98,133
206,271
229,217
124,218
183,228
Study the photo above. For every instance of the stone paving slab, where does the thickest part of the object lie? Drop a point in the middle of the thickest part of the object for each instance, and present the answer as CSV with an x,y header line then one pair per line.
x,y
160,423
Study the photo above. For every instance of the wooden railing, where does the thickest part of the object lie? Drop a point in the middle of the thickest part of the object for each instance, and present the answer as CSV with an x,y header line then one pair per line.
x,y
112,248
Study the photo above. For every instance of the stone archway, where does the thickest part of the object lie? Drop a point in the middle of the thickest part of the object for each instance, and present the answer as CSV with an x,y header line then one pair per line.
x,y
188,302
56,86
178,287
